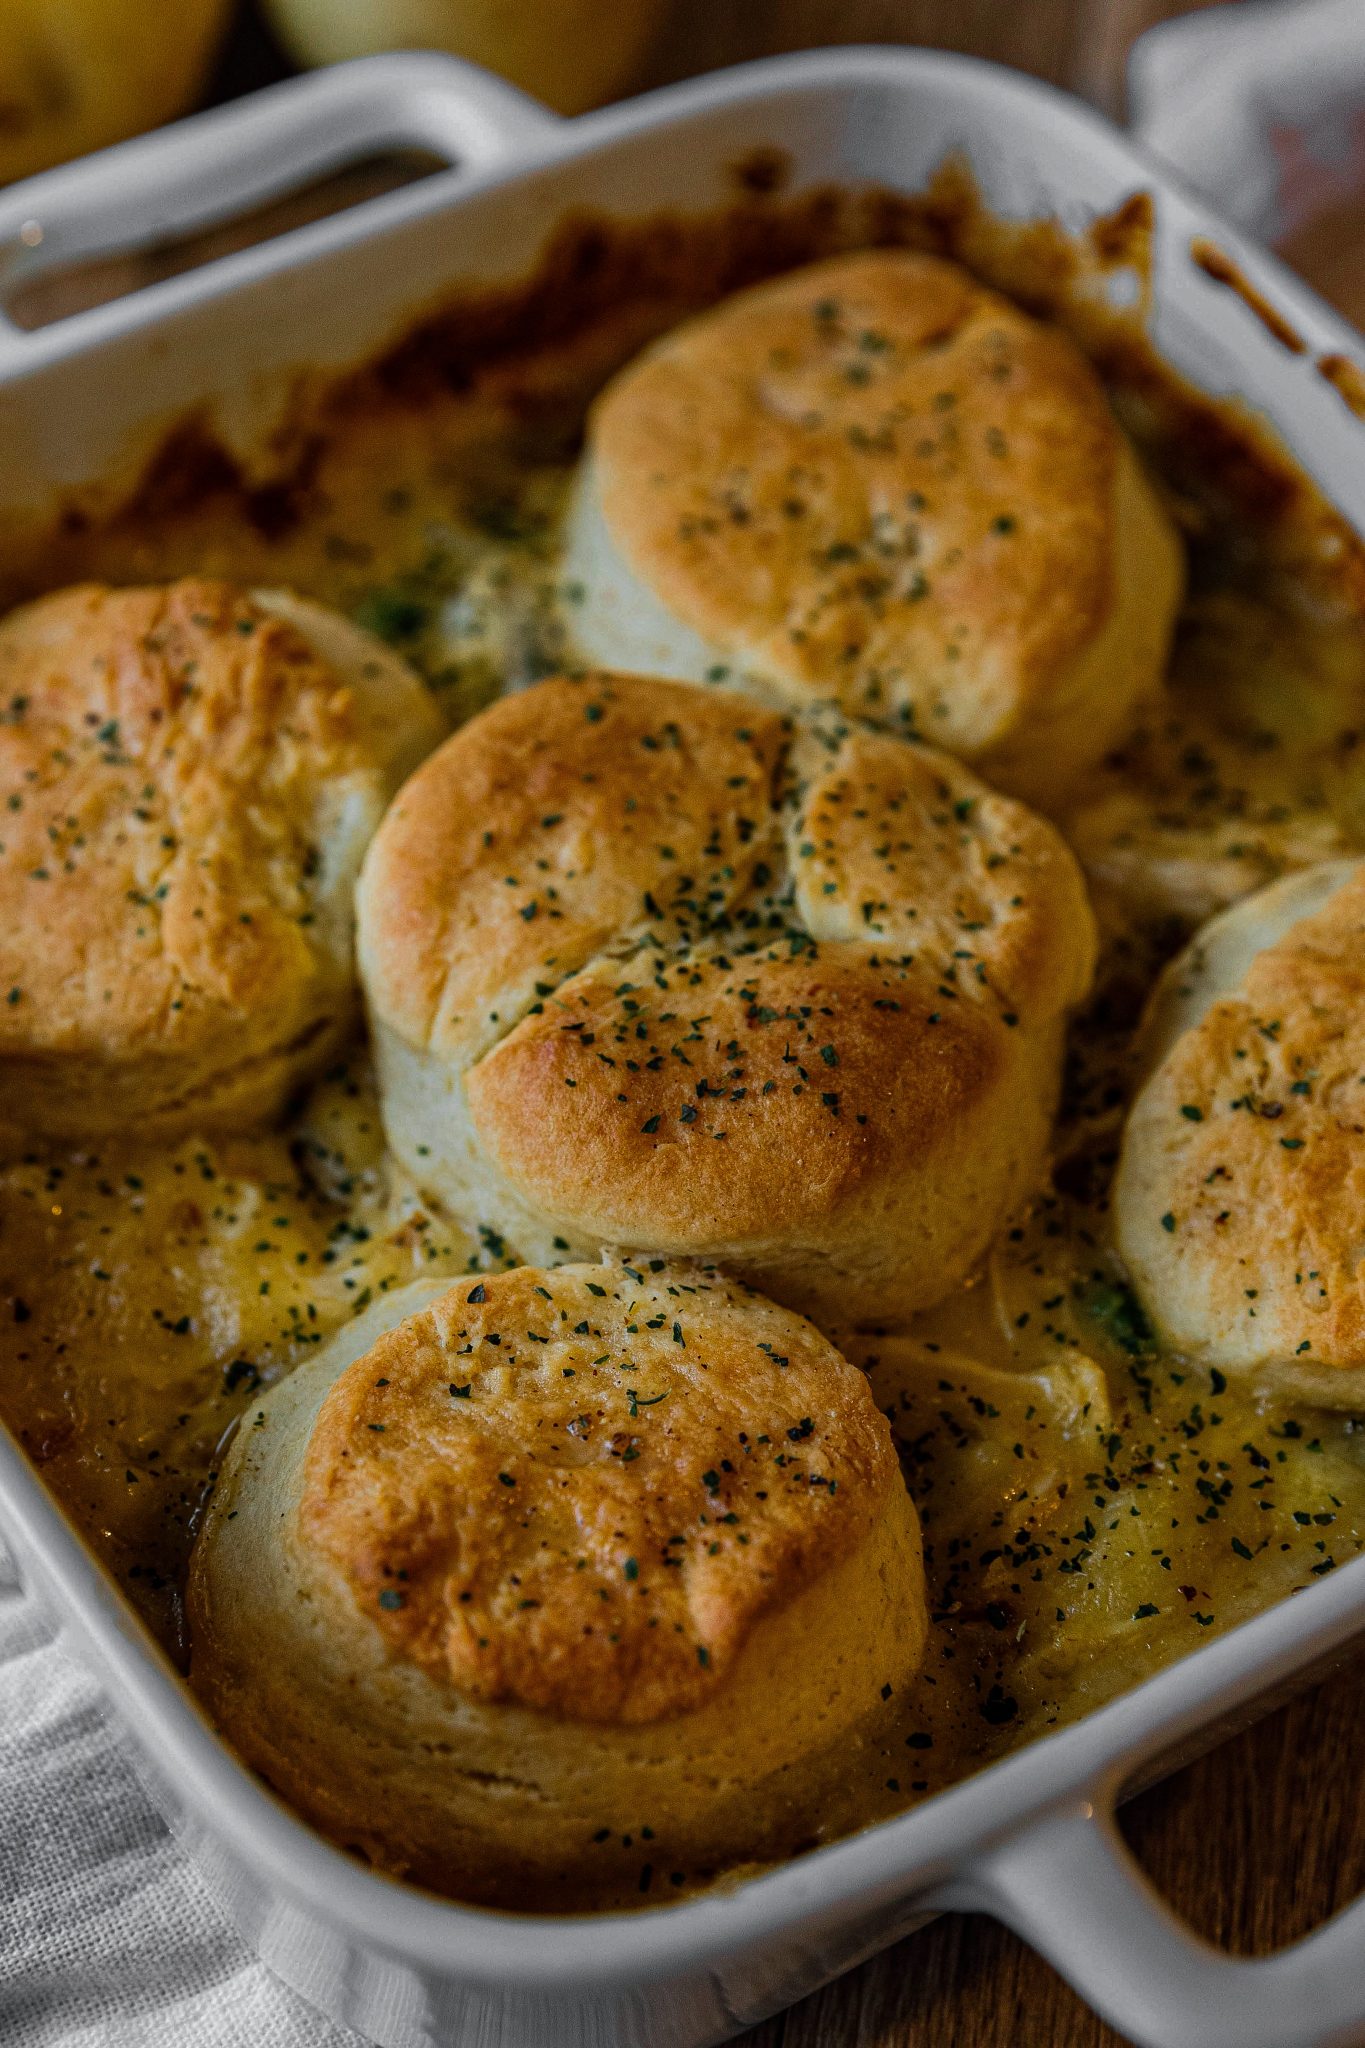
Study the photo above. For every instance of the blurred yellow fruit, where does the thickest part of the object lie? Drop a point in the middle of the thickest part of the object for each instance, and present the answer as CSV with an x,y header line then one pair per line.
x,y
77,74
570,53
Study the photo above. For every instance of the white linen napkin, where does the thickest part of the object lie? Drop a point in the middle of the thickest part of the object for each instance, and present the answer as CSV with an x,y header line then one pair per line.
x,y
1261,107
108,1936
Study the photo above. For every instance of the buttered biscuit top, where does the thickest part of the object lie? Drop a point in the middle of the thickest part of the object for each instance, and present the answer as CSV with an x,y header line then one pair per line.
x,y
188,778
876,482
1242,1183
648,966
625,1541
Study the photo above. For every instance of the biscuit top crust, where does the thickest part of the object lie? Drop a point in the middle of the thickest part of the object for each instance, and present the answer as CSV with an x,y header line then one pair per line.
x,y
870,479
559,821
900,848
683,947
1259,1180
578,1489
620,820
170,762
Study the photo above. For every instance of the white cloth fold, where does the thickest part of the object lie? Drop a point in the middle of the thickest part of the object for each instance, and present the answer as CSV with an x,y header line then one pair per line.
x,y
1261,107
108,1936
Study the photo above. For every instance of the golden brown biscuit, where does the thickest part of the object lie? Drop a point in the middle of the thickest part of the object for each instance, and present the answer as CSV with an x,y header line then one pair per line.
x,y
188,778
1241,1188
531,1580
876,482
647,966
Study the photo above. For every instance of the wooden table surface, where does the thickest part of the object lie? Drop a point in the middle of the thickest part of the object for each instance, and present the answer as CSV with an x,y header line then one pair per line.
x,y
1264,1837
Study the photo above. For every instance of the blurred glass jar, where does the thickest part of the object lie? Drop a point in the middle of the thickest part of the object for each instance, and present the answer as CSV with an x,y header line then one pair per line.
x,y
573,54
77,74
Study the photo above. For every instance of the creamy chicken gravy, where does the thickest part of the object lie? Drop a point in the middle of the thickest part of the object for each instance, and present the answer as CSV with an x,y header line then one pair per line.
x,y
1092,1508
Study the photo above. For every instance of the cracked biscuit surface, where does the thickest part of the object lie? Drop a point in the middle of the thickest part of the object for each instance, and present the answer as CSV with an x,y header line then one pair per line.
x,y
874,481
648,966
189,774
527,1561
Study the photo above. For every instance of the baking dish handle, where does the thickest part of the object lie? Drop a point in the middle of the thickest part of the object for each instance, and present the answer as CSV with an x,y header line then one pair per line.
x,y
206,170
1071,1888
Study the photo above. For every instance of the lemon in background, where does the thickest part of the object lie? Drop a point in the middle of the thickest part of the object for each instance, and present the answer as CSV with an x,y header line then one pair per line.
x,y
572,54
77,74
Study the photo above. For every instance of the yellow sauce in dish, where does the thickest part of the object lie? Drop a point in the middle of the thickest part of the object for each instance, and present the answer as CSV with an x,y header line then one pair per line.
x,y
1091,1507
149,1291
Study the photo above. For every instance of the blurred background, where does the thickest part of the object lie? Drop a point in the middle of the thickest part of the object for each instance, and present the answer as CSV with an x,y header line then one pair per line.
x,y
1260,103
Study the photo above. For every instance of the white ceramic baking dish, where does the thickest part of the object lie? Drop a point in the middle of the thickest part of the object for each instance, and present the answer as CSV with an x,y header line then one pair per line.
x,y
1032,1839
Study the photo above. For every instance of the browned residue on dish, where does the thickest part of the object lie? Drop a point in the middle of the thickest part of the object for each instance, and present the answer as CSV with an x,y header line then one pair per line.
x,y
1347,379
762,170
1124,237
602,287
1209,258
